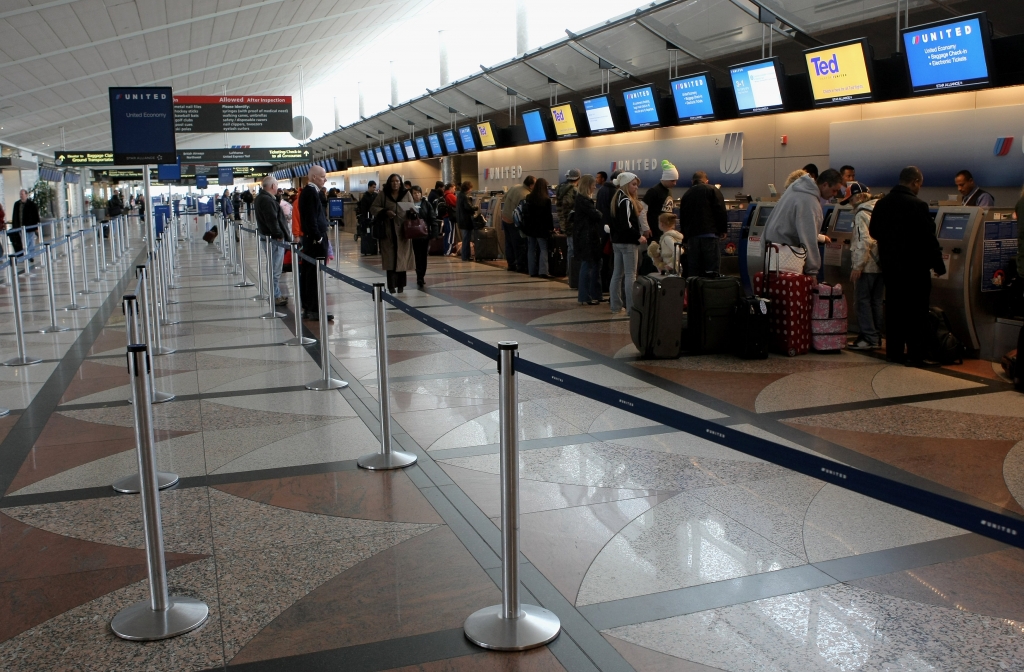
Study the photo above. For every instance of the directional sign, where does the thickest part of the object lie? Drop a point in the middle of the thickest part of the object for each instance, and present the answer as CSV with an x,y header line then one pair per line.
x,y
243,155
232,114
84,158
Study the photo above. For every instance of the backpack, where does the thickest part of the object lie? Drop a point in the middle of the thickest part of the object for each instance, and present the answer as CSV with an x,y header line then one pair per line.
x,y
440,207
943,347
519,213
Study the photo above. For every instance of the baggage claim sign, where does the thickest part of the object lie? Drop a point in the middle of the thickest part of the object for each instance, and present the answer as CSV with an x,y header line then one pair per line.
x,y
232,114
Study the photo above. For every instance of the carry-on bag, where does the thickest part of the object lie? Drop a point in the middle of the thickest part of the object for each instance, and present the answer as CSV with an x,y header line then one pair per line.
x,y
752,331
558,251
790,310
942,344
210,235
828,318
368,246
657,319
486,243
711,307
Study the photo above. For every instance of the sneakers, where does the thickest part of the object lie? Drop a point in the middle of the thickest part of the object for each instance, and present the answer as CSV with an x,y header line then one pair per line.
x,y
864,344
281,301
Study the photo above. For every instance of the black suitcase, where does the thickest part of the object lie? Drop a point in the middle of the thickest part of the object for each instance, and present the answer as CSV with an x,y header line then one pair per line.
x,y
711,305
485,242
522,253
752,328
574,273
367,245
558,250
657,320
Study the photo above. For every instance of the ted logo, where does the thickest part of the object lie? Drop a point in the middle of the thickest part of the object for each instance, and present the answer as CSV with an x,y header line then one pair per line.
x,y
823,67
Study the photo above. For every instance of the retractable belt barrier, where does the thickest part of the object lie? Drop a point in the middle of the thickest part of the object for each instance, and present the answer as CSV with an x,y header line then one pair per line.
x,y
1003,527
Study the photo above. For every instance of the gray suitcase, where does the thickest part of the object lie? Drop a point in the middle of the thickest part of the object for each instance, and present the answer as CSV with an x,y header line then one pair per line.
x,y
485,242
658,320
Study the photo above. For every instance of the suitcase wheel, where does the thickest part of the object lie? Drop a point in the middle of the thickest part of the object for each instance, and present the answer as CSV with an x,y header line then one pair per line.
x,y
791,352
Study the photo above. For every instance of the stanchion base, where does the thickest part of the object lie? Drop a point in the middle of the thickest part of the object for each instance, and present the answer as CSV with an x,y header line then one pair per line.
x,y
381,462
22,361
140,623
272,316
52,329
162,397
247,283
72,306
173,286
171,302
300,340
168,323
83,292
261,297
329,384
4,411
132,485
536,626
163,350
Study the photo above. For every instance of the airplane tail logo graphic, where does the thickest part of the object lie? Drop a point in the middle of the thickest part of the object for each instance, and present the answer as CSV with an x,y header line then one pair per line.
x,y
1003,146
731,161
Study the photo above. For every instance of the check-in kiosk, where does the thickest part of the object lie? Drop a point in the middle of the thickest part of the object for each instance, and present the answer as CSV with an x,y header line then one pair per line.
x,y
737,215
993,265
958,229
752,247
837,257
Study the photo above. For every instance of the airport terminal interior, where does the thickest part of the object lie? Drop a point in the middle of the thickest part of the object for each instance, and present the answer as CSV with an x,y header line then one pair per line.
x,y
478,468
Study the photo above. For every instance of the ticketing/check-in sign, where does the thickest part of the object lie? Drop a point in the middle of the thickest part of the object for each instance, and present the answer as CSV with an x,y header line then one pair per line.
x,y
839,73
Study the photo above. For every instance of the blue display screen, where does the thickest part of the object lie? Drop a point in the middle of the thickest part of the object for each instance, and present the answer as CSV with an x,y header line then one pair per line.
x,y
168,172
225,176
380,156
389,156
947,55
435,145
449,142
421,148
756,86
534,124
410,153
399,153
693,98
466,136
368,159
142,125
599,114
641,106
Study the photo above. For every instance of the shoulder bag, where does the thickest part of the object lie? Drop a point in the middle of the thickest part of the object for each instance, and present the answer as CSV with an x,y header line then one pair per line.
x,y
413,226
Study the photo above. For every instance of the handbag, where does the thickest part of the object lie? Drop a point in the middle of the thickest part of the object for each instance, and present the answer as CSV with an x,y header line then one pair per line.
x,y
786,258
414,227
479,222
378,229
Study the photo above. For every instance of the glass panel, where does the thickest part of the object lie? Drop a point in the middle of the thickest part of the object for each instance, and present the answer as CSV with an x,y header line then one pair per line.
x,y
486,92
570,66
525,80
633,48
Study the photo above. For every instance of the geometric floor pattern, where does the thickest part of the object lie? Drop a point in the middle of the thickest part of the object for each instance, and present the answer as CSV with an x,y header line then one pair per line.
x,y
658,550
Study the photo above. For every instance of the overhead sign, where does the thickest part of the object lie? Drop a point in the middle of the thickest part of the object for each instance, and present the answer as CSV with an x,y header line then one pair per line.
x,y
84,158
948,55
225,176
839,73
244,154
142,125
232,114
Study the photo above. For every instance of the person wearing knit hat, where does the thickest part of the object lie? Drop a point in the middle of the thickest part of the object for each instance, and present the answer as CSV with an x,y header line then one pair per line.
x,y
659,197
623,179
627,233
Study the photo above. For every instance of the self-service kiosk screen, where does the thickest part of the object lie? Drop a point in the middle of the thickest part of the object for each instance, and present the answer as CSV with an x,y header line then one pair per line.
x,y
763,213
953,225
844,222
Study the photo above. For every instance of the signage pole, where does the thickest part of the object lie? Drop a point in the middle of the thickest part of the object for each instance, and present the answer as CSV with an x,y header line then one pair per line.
x,y
148,209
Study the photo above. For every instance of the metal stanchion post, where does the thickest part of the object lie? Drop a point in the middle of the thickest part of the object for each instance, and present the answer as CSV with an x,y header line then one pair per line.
x,y
103,248
71,274
152,327
387,458
273,314
96,237
326,382
168,250
19,327
297,303
53,327
85,265
510,626
161,616
132,485
241,260
225,227
159,278
260,267
337,245
232,264
115,237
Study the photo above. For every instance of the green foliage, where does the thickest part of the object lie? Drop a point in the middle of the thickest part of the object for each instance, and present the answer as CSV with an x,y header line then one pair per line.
x,y
45,196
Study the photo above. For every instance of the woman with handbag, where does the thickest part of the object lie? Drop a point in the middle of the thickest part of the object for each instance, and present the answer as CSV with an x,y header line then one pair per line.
x,y
796,221
421,243
465,209
396,254
538,223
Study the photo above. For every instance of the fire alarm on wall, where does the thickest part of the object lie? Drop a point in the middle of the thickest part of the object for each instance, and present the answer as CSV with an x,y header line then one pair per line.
x,y
785,139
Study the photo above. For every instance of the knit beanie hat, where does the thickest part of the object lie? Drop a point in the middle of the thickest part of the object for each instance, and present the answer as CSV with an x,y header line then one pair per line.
x,y
668,171
623,179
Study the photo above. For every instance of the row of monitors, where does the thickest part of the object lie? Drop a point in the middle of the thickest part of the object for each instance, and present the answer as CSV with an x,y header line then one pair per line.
x,y
943,56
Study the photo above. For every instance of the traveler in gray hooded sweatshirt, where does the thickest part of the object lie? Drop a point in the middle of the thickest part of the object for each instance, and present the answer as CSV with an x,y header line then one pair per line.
x,y
796,219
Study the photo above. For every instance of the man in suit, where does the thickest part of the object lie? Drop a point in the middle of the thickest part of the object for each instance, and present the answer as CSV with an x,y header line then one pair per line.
x,y
313,221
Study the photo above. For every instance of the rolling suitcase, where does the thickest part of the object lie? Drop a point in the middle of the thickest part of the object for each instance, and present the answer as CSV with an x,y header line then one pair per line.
x,y
790,314
711,307
210,235
657,319
828,318
558,250
435,247
367,245
485,241
522,252
752,330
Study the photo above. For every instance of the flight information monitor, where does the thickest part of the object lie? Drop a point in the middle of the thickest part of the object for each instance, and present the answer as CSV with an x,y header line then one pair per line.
x,y
449,142
362,156
844,221
692,96
486,133
380,155
953,225
399,152
599,115
840,73
756,86
389,155
948,55
435,145
535,131
565,121
466,136
410,153
421,148
641,107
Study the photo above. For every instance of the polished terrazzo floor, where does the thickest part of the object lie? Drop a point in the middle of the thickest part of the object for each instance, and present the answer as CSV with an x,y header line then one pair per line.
x,y
659,551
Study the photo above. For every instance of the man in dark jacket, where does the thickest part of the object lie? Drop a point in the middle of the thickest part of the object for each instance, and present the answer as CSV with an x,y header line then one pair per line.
x,y
658,198
363,206
271,222
908,251
236,204
247,198
314,240
25,213
702,221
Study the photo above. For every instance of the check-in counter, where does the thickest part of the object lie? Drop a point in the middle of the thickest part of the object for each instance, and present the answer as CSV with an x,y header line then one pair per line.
x,y
959,230
993,265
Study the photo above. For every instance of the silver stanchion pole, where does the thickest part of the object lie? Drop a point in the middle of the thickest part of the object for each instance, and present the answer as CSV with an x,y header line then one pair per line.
x,y
19,327
260,267
152,333
241,260
325,383
337,245
85,265
115,240
297,302
510,626
132,485
103,248
232,263
225,227
168,265
96,247
160,285
71,274
161,616
53,327
273,314
387,458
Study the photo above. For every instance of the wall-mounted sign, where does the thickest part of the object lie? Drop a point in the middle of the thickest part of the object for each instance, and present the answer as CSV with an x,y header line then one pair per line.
x,y
245,154
232,114
142,125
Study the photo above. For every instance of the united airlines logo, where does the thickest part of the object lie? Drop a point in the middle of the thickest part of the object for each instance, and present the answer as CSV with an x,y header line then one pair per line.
x,y
731,160
1003,146
942,34
140,96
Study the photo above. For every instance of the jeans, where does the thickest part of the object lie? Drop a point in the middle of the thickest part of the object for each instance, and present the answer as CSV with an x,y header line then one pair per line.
x,y
703,257
277,259
589,282
510,243
568,254
870,291
537,255
625,256
467,243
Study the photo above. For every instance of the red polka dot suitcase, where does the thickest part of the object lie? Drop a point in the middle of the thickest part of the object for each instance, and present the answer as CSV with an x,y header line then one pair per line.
x,y
790,315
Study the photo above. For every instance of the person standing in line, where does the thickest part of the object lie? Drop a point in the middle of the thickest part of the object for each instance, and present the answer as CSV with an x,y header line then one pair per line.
x,y
25,213
538,224
396,256
703,221
225,205
566,203
436,193
247,198
907,252
272,223
420,246
313,221
866,274
627,235
236,204
970,193
797,217
508,227
589,242
658,198
465,210
450,202
599,179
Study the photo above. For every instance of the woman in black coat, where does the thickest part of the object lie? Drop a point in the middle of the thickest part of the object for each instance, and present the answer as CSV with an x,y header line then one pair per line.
x,y
538,225
588,242
465,210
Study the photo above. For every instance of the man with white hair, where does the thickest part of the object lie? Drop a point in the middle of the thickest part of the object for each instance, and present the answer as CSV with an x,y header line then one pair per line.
x,y
271,222
313,221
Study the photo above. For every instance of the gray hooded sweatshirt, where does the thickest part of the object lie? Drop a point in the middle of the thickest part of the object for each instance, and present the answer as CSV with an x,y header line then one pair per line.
x,y
796,220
